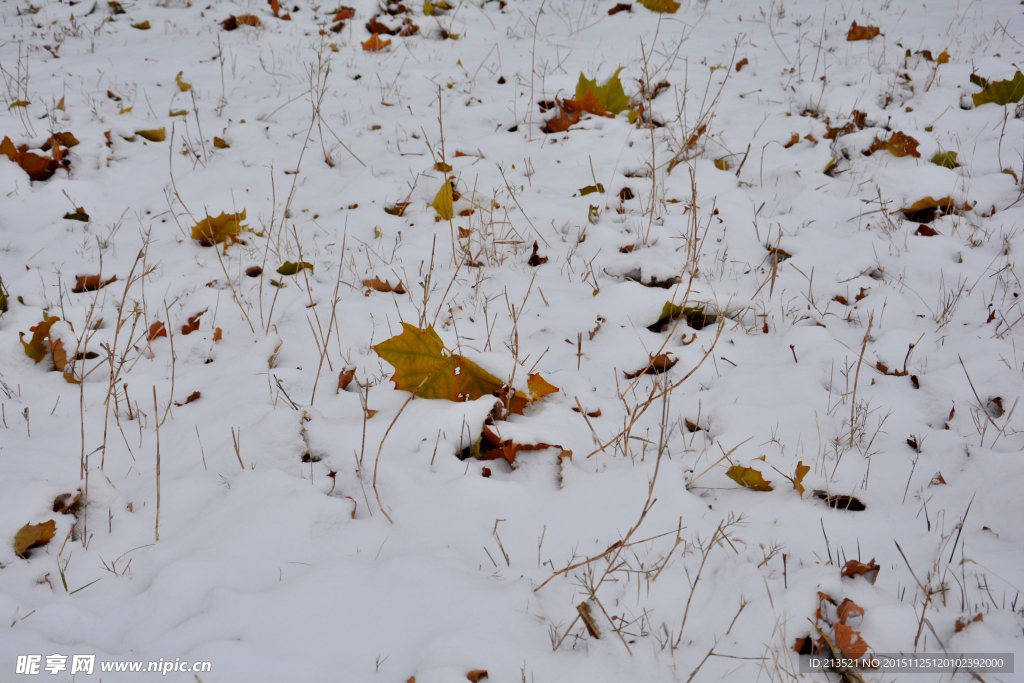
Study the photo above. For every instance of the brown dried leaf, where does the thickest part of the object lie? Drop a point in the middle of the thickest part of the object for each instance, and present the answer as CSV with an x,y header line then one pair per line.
x,y
157,329
850,611
793,139
476,674
963,622
621,7
658,364
90,283
33,536
193,322
588,620
853,568
345,378
849,642
535,259
566,117
195,395
798,476
748,478
899,144
840,502
742,63
60,361
378,285
344,13
862,32
66,502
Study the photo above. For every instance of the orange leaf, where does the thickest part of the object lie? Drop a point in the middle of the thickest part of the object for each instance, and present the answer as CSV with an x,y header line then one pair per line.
x,y
899,144
193,322
191,397
850,642
963,622
89,283
157,329
854,568
794,139
490,446
37,167
588,103
850,611
539,387
375,43
798,476
566,117
476,674
862,32
345,378
275,6
218,334
66,502
344,13
742,63
60,361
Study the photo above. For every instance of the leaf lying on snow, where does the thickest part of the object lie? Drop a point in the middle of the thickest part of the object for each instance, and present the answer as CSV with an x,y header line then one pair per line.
x,y
60,361
233,22
424,366
840,502
153,134
294,267
223,228
33,536
862,32
899,144
443,202
695,316
90,283
79,214
658,364
1001,92
193,322
748,478
946,160
37,167
869,571
666,6
490,446
379,285
375,43
35,349
610,97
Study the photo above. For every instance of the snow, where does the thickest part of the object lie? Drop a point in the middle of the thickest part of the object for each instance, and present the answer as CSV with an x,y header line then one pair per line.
x,y
302,536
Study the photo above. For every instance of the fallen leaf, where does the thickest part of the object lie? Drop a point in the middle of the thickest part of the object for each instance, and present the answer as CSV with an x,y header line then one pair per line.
x,y
294,267
142,26
853,569
182,85
423,365
443,202
850,613
963,622
66,502
345,378
535,259
223,228
275,6
66,139
748,478
943,58
376,27
153,135
1001,92
798,476
588,620
722,164
566,117
378,285
18,103
862,32
476,674
937,480
375,43
946,160
595,413
621,7
398,209
191,397
344,13
37,167
79,214
538,388
899,144
35,348
233,22
666,6
218,334
157,329
590,189
742,63
33,536
610,97
90,283
490,446
840,502
254,271
849,642
193,323
60,361
657,365
793,139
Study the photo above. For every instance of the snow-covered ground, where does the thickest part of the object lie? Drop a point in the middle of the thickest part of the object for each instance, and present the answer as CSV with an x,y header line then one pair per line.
x,y
238,509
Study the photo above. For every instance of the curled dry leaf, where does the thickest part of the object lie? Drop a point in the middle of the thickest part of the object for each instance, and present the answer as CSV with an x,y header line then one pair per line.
x,y
742,63
294,267
254,271
193,322
153,135
850,613
220,144
476,674
344,13
182,85
34,348
535,259
345,378
588,620
862,32
798,476
849,642
90,283
662,362
78,214
37,167
375,43
840,502
379,285
194,396
963,622
60,361
853,569
621,7
748,478
66,503
33,536
218,334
